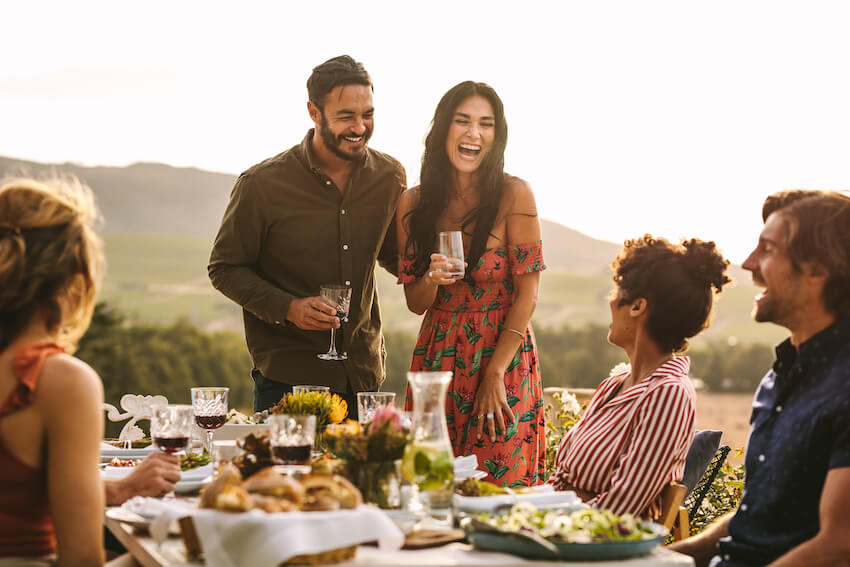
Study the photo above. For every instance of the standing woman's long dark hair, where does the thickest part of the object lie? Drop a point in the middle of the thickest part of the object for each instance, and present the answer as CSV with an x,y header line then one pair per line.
x,y
436,180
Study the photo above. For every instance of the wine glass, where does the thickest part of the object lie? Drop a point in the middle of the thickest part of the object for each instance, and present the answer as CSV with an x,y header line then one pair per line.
x,y
171,427
340,297
291,440
210,406
451,246
369,402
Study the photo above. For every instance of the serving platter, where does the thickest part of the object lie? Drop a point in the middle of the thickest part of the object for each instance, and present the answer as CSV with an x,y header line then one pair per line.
x,y
508,542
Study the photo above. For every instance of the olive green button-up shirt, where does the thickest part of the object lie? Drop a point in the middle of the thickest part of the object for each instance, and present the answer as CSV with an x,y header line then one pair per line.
x,y
288,230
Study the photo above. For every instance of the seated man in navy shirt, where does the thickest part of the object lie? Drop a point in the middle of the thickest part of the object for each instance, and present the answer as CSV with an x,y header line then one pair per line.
x,y
795,508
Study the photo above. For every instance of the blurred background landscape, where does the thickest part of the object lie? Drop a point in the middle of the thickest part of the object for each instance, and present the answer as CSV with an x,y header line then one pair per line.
x,y
162,328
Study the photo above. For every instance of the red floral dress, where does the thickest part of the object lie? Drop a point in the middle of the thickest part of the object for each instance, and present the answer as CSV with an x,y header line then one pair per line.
x,y
458,334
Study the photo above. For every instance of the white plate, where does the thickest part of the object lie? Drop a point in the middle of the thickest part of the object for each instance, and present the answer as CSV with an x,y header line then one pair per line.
x,y
191,485
113,452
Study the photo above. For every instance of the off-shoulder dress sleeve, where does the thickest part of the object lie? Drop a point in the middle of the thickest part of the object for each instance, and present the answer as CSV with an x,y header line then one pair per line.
x,y
526,258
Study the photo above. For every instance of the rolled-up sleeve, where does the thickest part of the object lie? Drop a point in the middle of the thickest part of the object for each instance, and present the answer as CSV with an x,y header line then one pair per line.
x,y
233,267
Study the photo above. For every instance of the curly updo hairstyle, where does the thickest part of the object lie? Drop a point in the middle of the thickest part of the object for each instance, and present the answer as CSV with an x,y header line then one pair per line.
x,y
678,281
51,260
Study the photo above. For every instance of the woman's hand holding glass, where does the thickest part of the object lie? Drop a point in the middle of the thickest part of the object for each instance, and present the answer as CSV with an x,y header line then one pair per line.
x,y
439,271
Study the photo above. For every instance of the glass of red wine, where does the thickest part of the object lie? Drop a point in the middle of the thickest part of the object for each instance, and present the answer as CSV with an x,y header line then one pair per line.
x,y
291,439
210,408
171,427
338,296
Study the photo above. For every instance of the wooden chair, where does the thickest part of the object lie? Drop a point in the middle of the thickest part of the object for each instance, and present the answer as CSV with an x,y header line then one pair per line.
x,y
674,516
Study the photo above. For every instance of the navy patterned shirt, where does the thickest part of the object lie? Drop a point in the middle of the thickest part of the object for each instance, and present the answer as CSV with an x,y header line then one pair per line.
x,y
800,431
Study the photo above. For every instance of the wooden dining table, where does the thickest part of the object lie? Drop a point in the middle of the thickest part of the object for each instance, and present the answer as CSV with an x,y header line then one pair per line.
x,y
143,550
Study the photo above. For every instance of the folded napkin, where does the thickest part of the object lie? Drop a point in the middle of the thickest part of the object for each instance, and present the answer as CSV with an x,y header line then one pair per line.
x,y
467,463
161,512
255,538
543,496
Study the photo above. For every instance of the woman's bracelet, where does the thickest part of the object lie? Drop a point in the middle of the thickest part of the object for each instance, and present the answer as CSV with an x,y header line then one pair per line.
x,y
514,331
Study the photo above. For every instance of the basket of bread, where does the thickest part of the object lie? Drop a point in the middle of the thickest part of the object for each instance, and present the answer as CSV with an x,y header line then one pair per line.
x,y
266,497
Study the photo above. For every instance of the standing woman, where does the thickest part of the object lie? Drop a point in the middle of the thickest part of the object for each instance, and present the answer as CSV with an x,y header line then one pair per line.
x,y
51,421
477,327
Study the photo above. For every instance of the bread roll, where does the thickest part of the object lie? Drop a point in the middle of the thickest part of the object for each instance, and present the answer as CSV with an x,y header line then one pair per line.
x,y
270,483
336,487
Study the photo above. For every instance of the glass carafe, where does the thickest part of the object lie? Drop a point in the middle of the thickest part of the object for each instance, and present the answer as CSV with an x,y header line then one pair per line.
x,y
428,459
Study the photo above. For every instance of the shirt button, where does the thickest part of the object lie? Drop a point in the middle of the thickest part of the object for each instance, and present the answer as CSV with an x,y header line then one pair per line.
x,y
778,409
342,212
743,507
345,246
277,322
347,282
344,353
761,458
328,182
726,557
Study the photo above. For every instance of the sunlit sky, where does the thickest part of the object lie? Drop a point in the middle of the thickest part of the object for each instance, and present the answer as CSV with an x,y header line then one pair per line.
x,y
675,118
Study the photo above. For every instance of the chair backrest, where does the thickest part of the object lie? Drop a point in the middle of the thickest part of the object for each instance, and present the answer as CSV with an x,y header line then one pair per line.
x,y
671,499
694,499
702,451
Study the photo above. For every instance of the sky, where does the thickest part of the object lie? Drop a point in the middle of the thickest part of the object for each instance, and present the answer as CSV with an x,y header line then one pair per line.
x,y
675,118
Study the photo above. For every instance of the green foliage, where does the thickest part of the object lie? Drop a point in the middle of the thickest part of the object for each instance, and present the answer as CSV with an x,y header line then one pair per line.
x,y
560,418
166,360
723,496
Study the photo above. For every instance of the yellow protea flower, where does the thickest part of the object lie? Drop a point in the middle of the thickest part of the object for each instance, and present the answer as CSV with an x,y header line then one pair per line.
x,y
339,410
328,408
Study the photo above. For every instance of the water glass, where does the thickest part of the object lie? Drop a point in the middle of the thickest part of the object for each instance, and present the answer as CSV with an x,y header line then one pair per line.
x,y
451,246
292,438
224,451
369,402
171,428
310,388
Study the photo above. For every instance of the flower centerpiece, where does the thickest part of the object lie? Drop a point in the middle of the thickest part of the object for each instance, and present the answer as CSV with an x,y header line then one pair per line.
x,y
372,455
328,409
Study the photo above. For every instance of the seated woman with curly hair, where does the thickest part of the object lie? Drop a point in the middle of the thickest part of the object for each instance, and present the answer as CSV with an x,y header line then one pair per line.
x,y
635,433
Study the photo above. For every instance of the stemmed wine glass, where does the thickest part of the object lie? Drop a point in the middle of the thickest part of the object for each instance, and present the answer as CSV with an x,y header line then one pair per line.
x,y
291,440
210,407
339,296
171,427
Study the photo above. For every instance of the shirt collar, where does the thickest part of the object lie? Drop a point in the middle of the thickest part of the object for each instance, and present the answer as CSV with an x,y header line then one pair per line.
x,y
821,346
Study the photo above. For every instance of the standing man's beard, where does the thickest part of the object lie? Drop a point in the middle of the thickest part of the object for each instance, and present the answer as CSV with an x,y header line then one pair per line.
x,y
333,142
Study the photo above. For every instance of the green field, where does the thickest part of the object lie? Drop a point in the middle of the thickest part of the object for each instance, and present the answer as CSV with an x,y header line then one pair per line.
x,y
158,279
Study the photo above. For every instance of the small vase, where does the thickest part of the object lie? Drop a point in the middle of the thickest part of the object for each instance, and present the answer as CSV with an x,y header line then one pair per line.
x,y
379,482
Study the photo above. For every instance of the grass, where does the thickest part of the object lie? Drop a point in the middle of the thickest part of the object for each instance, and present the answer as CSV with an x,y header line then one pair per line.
x,y
160,278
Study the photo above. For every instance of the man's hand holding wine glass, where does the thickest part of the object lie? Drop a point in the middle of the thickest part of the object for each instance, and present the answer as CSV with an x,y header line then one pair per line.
x,y
313,314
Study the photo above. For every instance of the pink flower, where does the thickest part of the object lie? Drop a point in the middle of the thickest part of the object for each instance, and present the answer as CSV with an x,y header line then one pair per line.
x,y
387,414
510,389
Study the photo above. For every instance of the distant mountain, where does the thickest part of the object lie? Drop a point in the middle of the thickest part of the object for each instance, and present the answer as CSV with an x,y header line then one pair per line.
x,y
154,198
160,222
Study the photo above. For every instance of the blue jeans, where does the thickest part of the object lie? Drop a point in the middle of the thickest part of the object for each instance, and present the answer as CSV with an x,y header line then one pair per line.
x,y
268,392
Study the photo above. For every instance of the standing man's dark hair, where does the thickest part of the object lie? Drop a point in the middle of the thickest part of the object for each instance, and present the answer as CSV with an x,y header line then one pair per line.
x,y
315,215
340,70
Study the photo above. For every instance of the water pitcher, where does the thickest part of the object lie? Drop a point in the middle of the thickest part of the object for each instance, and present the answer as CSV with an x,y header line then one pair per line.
x,y
428,459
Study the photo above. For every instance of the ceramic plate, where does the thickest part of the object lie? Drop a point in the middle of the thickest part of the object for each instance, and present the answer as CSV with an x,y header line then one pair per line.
x,y
507,542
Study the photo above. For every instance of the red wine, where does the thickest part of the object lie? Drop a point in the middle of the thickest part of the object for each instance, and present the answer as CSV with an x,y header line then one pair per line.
x,y
210,421
292,454
171,444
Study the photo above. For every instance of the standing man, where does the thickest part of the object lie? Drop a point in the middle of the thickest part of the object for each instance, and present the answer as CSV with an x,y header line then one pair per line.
x,y
315,214
794,509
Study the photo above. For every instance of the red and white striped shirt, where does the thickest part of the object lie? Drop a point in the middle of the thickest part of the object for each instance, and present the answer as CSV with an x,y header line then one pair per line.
x,y
627,447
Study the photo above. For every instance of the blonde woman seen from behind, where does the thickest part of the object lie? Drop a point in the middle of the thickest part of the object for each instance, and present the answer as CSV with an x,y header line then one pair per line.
x,y
51,422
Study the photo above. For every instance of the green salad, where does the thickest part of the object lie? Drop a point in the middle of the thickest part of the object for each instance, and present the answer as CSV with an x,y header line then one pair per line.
x,y
583,526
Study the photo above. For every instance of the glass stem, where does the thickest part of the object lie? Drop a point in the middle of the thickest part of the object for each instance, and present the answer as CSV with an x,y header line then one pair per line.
x,y
209,442
332,349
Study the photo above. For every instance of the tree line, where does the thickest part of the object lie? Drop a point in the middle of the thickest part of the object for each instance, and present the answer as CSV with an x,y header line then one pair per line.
x,y
170,359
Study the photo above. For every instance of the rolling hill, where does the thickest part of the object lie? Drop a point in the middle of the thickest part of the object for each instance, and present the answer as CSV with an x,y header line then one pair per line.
x,y
159,223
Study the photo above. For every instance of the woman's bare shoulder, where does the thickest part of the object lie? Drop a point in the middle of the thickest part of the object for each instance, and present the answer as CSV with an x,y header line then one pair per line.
x,y
518,198
65,377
